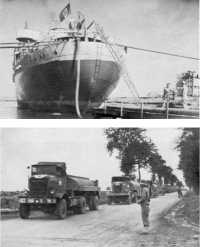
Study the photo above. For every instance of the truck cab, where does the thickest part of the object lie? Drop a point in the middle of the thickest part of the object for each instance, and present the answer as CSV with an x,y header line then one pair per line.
x,y
48,179
123,190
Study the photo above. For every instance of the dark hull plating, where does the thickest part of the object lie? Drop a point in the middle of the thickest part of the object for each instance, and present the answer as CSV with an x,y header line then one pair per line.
x,y
51,86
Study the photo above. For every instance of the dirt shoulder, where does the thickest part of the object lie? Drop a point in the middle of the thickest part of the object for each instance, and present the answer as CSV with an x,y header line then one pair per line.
x,y
177,227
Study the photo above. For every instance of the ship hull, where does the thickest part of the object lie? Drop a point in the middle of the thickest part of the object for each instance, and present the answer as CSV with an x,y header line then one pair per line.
x,y
51,85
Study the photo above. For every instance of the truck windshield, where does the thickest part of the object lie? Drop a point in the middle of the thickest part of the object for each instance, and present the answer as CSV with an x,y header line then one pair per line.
x,y
50,170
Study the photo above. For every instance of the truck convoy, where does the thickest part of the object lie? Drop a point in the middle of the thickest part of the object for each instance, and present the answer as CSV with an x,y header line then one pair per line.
x,y
53,191
123,190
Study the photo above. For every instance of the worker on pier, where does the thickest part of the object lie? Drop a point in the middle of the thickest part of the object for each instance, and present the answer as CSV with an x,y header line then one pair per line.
x,y
167,94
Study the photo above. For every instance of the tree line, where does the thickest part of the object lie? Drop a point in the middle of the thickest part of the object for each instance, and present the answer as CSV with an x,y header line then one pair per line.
x,y
188,147
135,151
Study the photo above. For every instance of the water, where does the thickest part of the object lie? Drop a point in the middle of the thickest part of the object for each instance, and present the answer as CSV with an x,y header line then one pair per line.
x,y
9,110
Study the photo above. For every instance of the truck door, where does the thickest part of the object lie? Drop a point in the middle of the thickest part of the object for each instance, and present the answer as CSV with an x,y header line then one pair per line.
x,y
61,180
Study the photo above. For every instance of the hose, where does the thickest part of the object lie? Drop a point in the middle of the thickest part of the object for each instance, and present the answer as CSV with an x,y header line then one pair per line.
x,y
77,89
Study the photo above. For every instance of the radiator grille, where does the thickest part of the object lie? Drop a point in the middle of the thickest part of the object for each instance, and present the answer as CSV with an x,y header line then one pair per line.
x,y
38,187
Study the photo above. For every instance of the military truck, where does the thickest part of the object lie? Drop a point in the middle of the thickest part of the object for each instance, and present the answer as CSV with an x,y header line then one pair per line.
x,y
53,191
123,190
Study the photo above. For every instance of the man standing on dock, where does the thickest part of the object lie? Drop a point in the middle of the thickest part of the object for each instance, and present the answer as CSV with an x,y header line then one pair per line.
x,y
168,94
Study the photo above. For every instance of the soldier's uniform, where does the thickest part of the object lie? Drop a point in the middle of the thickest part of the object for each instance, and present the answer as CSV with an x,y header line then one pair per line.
x,y
144,202
166,95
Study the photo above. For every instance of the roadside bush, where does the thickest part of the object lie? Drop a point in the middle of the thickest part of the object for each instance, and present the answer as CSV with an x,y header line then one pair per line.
x,y
9,202
191,207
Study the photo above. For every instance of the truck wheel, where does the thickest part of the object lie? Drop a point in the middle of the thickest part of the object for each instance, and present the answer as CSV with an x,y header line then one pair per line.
x,y
61,209
24,211
93,203
81,208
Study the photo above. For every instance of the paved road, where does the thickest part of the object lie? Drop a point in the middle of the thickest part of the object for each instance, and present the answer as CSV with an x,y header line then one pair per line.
x,y
114,225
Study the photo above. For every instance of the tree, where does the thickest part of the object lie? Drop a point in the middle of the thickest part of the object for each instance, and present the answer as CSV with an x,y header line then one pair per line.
x,y
157,163
188,146
132,146
136,151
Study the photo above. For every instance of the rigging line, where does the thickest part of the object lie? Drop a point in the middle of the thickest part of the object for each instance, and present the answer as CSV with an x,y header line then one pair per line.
x,y
10,47
154,51
116,44
9,43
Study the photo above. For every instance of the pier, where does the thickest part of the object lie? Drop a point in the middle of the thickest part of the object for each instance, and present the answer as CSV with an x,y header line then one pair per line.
x,y
142,111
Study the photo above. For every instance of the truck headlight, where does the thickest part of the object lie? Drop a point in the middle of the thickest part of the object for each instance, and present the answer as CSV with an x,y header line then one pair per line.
x,y
59,182
30,200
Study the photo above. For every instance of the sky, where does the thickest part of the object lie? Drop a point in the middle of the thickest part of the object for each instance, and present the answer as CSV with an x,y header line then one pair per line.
x,y
170,26
83,150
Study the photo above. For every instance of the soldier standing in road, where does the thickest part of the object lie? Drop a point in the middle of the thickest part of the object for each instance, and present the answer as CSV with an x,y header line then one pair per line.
x,y
180,194
144,202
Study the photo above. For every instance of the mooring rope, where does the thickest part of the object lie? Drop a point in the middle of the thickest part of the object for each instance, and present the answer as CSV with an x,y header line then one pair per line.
x,y
77,87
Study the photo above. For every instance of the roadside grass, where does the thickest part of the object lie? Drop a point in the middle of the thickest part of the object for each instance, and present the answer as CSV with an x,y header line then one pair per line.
x,y
177,226
190,208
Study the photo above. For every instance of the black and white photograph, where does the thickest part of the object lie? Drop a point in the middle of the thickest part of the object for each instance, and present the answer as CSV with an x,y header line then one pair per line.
x,y
99,187
99,123
90,59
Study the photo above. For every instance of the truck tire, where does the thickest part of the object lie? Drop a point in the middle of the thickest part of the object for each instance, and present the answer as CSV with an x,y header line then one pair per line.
x,y
24,211
61,209
93,203
81,208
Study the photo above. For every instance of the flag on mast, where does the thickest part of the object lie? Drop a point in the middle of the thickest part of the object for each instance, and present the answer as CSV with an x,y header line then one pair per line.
x,y
65,12
81,20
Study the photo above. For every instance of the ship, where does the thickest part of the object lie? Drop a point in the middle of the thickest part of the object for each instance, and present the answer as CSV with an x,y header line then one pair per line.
x,y
70,68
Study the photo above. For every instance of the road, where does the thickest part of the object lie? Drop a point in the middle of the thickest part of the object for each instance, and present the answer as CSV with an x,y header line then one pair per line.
x,y
111,225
